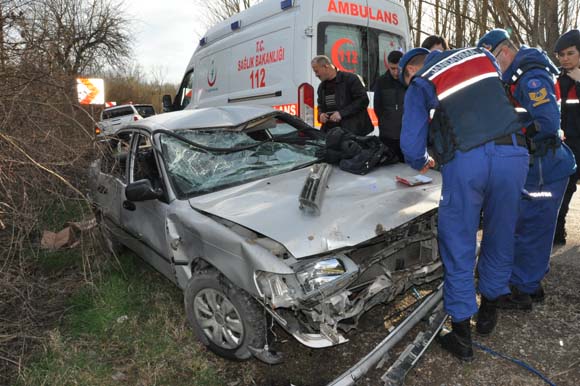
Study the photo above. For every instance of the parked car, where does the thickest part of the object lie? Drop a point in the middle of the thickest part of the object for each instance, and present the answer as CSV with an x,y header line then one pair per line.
x,y
115,118
220,201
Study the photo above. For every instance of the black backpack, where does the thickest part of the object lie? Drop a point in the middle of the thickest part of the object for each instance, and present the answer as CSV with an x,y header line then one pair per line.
x,y
356,154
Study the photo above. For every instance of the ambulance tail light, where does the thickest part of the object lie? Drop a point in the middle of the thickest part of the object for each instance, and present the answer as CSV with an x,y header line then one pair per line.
x,y
306,103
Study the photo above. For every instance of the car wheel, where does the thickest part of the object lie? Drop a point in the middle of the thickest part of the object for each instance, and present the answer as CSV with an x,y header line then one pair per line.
x,y
107,239
224,318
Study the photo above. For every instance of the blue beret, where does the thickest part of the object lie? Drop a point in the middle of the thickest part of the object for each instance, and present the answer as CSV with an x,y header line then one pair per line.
x,y
568,39
493,38
410,55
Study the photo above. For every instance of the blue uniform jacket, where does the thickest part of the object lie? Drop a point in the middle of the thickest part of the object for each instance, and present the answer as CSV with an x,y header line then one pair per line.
x,y
535,91
419,100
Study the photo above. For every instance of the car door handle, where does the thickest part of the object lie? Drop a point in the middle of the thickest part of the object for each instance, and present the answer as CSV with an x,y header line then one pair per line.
x,y
129,205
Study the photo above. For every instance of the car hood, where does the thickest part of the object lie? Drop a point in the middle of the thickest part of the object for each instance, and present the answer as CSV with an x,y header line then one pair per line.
x,y
354,208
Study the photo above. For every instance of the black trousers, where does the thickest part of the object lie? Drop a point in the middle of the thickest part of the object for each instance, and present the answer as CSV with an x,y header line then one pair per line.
x,y
395,145
574,144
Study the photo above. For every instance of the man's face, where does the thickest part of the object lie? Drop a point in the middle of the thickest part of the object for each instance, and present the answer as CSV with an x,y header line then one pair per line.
x,y
569,58
410,71
503,56
393,69
322,71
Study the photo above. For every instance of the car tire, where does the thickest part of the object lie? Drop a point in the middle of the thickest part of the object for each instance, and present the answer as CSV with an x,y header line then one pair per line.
x,y
224,317
108,241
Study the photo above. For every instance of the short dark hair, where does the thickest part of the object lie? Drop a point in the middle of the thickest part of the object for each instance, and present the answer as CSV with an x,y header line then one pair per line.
x,y
417,60
394,57
433,40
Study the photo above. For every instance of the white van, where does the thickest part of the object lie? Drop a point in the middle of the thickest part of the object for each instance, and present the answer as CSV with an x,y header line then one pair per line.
x,y
262,55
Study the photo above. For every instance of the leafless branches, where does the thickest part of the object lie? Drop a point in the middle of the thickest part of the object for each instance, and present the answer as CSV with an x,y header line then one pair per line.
x,y
70,36
45,148
532,22
219,10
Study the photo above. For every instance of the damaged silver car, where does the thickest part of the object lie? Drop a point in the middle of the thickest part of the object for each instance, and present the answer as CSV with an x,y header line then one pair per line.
x,y
233,206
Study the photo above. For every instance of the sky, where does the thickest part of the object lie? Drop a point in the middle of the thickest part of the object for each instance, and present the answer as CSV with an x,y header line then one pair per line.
x,y
166,32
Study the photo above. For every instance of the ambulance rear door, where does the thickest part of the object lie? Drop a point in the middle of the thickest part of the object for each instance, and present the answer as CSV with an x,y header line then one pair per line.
x,y
359,35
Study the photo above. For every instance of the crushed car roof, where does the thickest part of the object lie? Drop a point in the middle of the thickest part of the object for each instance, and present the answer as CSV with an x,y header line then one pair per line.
x,y
226,116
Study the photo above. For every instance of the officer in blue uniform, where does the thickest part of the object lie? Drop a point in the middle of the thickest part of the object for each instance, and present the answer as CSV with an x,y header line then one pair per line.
x,y
484,166
531,77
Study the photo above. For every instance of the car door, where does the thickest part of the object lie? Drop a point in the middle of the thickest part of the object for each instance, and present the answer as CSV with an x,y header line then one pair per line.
x,y
109,180
146,220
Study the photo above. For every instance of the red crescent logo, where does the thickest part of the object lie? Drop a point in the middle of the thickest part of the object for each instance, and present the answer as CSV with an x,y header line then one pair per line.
x,y
212,73
334,53
210,82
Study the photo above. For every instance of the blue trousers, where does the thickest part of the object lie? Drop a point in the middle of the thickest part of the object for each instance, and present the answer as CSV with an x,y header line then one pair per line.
x,y
489,178
534,236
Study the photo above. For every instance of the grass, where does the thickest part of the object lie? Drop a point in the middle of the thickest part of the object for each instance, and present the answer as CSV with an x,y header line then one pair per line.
x,y
127,328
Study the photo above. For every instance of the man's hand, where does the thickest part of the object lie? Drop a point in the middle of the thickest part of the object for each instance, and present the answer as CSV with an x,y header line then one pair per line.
x,y
335,117
561,134
430,164
574,73
323,118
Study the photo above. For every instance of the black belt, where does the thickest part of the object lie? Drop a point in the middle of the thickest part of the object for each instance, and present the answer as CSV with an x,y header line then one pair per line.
x,y
507,140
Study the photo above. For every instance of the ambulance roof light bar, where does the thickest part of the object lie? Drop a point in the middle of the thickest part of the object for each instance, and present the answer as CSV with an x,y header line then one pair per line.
x,y
285,4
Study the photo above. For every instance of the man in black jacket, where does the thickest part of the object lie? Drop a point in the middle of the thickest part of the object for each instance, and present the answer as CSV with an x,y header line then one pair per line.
x,y
388,103
342,99
567,50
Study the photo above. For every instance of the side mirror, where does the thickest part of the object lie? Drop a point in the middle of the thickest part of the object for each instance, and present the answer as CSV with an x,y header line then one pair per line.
x,y
142,191
167,103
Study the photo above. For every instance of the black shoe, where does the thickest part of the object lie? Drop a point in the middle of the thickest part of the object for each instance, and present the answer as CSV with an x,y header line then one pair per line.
x,y
560,236
539,295
486,317
559,240
458,341
517,300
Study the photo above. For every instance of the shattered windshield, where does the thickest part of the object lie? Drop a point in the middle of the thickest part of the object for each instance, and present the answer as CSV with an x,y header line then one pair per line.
x,y
223,158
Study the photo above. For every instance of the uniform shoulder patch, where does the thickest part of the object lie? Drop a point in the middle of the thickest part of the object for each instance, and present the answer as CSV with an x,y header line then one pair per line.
x,y
539,97
534,84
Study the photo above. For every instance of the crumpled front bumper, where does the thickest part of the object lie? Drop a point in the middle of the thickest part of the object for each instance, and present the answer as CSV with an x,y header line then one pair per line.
x,y
432,305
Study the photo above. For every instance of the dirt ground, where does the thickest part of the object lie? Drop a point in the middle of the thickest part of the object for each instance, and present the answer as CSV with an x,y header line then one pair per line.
x,y
547,339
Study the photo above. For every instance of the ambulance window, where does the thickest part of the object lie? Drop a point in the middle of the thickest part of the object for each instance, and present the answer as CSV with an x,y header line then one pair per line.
x,y
185,91
357,48
346,46
388,43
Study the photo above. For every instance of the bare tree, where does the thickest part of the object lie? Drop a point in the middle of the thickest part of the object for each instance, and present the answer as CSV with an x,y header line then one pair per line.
x,y
531,22
219,10
71,36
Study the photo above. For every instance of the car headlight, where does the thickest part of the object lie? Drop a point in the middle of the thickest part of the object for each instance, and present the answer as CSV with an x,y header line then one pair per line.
x,y
315,275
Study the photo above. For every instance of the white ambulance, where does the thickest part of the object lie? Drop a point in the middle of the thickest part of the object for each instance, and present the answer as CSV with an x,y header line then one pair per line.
x,y
262,55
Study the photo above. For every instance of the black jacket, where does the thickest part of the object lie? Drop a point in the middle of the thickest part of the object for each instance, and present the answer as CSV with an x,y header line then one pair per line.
x,y
388,104
352,102
570,111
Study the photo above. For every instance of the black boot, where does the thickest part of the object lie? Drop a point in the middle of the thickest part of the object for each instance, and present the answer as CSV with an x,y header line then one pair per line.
x,y
539,295
560,234
486,317
517,300
560,238
458,341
